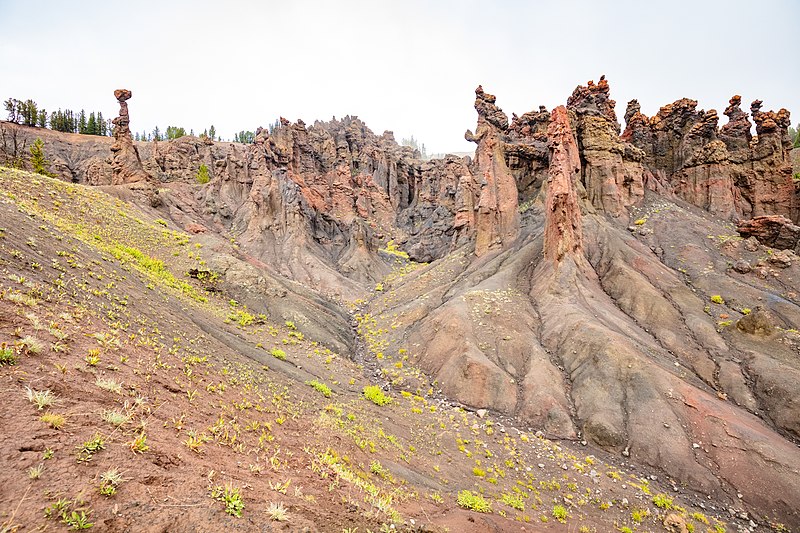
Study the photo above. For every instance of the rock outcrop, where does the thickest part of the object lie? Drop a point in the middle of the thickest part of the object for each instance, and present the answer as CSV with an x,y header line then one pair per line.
x,y
496,217
563,230
724,170
126,163
775,231
611,173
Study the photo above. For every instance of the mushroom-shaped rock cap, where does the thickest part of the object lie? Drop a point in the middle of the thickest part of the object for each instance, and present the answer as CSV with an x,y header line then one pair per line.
x,y
122,94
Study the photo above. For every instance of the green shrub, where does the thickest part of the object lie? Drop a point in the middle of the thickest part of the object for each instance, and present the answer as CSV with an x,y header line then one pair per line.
x,y
277,353
717,299
241,317
321,387
7,356
230,496
474,502
374,394
514,501
560,513
662,501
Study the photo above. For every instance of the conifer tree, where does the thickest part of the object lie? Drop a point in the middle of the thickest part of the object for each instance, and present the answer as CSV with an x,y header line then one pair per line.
x,y
38,161
91,124
202,175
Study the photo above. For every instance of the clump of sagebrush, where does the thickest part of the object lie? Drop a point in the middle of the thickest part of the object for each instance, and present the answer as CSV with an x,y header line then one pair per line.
x,y
7,356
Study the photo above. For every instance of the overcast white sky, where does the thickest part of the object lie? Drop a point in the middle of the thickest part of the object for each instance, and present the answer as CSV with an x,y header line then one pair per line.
x,y
409,66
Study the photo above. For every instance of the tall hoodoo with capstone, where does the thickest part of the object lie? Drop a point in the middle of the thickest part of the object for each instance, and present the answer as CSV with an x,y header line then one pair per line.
x,y
126,164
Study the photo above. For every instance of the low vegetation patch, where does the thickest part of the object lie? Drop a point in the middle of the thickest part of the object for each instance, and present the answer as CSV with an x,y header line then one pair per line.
x,y
231,497
40,398
374,394
321,387
662,501
474,502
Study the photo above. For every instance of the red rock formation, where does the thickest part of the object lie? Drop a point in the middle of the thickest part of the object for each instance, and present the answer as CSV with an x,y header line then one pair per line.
x,y
126,164
497,217
775,231
562,234
771,186
724,171
594,100
736,133
612,173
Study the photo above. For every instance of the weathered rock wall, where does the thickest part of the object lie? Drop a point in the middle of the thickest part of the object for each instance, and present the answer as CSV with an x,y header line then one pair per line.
x,y
725,171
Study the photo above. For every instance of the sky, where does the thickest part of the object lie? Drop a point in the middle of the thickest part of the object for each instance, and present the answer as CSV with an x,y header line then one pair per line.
x,y
408,66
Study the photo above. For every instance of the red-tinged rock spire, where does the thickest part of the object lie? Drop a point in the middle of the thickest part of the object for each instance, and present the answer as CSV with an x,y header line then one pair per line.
x,y
497,217
563,233
126,165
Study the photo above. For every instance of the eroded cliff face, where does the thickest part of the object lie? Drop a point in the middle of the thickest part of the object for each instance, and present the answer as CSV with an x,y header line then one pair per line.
x,y
612,172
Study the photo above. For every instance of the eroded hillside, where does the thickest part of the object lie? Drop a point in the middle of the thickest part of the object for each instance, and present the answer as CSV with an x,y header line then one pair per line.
x,y
582,283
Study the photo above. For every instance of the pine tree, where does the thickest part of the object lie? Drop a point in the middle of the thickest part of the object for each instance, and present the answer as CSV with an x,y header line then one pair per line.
x,y
101,124
91,124
38,160
156,134
212,132
12,106
82,122
42,122
30,112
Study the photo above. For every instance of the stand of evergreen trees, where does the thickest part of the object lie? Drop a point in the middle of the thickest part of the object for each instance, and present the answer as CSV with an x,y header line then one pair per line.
x,y
246,137
27,112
